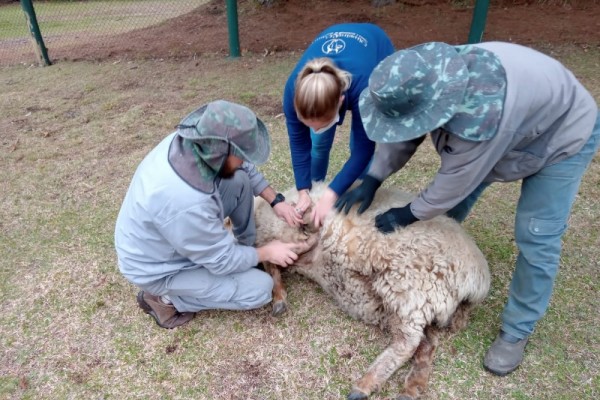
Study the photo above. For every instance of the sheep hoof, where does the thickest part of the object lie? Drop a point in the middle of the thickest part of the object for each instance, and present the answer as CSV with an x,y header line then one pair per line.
x,y
279,308
357,395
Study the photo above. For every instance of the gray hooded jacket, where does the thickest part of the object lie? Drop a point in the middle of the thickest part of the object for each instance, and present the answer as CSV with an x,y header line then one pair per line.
x,y
166,225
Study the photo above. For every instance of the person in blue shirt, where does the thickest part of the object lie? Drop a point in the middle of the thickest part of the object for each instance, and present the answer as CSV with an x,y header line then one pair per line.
x,y
324,85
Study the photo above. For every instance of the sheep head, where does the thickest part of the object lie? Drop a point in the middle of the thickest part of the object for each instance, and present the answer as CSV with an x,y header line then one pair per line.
x,y
269,227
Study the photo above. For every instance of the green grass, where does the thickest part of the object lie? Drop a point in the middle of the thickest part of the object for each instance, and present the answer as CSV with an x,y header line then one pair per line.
x,y
70,327
91,17
12,22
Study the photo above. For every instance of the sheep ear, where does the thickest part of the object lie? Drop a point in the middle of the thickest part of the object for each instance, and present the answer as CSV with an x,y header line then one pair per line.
x,y
312,240
307,245
308,222
306,216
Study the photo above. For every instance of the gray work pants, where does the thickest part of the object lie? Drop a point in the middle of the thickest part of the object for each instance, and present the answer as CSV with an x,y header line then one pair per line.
x,y
197,289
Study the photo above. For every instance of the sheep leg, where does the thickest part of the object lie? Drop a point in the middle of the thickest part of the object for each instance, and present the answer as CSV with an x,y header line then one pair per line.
x,y
279,292
460,318
422,364
418,377
405,340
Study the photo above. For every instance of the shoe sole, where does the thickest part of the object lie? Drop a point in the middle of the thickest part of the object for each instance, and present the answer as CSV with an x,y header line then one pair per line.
x,y
500,373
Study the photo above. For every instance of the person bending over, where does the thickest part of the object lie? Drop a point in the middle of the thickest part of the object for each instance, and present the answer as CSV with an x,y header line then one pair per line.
x,y
326,84
497,112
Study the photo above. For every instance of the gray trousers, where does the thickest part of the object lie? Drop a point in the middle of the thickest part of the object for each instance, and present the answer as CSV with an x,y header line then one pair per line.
x,y
197,289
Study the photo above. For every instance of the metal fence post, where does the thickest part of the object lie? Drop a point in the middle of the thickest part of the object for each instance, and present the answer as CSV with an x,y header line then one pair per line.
x,y
34,30
232,26
478,21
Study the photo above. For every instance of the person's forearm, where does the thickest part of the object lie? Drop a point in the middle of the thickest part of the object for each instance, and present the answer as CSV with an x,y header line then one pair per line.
x,y
262,254
268,194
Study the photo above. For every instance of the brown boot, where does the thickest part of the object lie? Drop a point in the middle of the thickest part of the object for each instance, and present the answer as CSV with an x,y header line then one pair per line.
x,y
165,315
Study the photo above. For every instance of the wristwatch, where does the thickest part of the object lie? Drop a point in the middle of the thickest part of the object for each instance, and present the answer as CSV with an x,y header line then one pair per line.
x,y
278,199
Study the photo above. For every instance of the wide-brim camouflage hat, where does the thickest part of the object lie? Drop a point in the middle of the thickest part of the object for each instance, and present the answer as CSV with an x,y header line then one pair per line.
x,y
413,92
230,128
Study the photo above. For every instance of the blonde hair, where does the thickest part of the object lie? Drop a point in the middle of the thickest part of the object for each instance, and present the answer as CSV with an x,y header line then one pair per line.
x,y
319,86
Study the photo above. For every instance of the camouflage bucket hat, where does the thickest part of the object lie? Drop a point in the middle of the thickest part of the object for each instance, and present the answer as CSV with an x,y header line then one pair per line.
x,y
412,92
221,126
478,116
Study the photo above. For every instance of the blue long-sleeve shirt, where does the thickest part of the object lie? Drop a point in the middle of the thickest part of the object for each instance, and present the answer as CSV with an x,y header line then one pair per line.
x,y
356,48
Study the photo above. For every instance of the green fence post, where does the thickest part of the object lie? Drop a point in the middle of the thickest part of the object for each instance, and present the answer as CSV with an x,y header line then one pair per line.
x,y
478,22
232,26
34,29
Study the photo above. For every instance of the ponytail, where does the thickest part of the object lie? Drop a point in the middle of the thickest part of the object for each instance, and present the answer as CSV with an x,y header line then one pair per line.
x,y
319,86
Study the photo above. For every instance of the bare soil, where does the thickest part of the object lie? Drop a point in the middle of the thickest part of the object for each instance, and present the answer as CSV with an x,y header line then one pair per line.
x,y
290,25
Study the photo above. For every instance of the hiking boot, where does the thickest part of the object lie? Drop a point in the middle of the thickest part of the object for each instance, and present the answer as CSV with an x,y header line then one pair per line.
x,y
165,315
505,354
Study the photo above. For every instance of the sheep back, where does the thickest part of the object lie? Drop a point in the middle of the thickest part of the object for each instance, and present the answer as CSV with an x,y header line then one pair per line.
x,y
421,273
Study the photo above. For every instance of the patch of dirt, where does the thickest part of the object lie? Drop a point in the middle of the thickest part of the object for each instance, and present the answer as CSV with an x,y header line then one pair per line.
x,y
290,25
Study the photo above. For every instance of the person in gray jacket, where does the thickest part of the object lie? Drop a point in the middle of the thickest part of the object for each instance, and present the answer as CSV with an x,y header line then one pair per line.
x,y
497,112
170,236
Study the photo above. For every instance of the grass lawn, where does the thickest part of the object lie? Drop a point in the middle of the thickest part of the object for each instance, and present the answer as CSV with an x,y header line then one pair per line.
x,y
69,22
72,136
91,17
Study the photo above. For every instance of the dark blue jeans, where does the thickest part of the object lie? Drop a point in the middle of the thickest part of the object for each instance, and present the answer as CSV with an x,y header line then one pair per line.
x,y
321,147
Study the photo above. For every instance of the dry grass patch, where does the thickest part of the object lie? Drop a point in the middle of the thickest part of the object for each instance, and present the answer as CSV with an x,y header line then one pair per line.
x,y
72,136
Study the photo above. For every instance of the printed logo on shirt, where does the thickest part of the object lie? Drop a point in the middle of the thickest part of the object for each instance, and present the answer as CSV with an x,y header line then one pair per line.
x,y
335,44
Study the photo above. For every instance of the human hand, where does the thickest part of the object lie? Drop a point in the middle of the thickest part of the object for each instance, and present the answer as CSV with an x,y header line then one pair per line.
x,y
286,212
284,254
363,194
323,207
389,220
304,202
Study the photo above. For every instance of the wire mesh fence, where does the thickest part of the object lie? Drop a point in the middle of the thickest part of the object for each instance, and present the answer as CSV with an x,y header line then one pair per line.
x,y
69,23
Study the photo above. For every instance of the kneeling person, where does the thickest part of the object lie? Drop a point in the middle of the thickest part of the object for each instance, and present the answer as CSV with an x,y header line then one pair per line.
x,y
170,236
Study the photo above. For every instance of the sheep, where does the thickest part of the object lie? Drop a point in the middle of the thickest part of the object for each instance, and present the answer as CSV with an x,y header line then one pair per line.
x,y
414,282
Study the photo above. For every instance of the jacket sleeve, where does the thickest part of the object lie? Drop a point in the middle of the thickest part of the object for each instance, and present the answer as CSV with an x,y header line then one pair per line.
x,y
391,157
464,165
257,180
199,235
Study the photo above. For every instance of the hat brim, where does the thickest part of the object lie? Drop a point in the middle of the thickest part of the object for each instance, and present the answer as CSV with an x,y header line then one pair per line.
x,y
257,155
262,149
454,75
